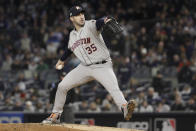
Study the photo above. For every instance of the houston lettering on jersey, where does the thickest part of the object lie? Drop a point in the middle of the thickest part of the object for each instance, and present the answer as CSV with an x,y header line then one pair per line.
x,y
80,41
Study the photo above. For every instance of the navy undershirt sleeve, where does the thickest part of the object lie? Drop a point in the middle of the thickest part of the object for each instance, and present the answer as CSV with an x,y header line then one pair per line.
x,y
66,54
100,23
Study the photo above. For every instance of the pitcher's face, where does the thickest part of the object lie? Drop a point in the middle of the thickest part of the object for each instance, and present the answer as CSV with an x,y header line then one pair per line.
x,y
78,19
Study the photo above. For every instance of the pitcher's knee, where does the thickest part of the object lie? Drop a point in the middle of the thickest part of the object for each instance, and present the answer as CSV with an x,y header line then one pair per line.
x,y
63,88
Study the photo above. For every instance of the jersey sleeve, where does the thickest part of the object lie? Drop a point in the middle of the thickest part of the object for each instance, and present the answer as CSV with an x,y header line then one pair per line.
x,y
92,25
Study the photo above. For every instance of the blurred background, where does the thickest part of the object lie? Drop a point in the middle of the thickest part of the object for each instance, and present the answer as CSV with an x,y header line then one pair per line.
x,y
154,58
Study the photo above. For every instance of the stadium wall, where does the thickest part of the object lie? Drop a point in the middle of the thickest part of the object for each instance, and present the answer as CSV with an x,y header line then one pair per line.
x,y
174,121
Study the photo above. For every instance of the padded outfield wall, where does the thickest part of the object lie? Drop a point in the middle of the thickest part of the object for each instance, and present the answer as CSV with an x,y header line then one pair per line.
x,y
174,121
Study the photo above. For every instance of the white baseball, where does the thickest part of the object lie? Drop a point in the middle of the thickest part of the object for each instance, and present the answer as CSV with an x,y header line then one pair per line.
x,y
59,67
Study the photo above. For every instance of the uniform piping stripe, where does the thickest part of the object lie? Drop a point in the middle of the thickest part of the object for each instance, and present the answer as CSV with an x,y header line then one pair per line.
x,y
85,51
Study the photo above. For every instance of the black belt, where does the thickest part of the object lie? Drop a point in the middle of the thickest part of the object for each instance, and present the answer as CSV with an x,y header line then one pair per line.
x,y
100,62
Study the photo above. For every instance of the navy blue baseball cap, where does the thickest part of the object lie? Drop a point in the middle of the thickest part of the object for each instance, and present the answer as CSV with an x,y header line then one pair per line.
x,y
75,10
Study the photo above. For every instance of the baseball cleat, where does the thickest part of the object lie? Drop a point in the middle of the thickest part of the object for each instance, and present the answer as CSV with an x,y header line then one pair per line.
x,y
128,109
54,118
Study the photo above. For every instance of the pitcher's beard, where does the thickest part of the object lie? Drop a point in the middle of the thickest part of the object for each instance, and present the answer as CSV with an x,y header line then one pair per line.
x,y
81,25
78,24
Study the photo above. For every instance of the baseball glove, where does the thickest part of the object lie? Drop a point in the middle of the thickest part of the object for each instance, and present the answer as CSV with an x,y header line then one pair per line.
x,y
112,27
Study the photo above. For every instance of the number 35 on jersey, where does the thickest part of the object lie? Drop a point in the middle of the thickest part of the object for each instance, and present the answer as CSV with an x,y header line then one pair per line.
x,y
91,48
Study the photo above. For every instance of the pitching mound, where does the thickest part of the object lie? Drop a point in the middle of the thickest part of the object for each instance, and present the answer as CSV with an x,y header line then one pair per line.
x,y
56,127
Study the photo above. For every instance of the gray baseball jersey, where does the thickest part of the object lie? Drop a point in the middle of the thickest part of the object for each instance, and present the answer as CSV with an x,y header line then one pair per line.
x,y
88,44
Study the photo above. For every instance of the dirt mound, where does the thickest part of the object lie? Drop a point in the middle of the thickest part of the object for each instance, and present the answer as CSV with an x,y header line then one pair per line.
x,y
56,127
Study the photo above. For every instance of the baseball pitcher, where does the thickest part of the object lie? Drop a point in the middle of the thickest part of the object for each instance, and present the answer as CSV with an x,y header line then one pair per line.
x,y
87,44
